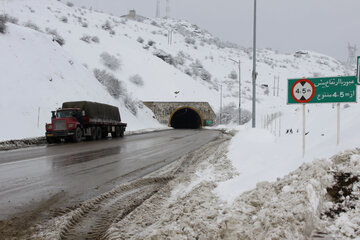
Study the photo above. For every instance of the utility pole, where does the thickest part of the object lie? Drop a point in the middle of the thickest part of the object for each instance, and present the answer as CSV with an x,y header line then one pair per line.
x,y
170,35
254,71
158,9
351,55
220,103
274,87
167,8
239,62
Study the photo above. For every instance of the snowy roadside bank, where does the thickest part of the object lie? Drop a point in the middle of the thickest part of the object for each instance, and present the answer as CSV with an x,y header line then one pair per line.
x,y
307,203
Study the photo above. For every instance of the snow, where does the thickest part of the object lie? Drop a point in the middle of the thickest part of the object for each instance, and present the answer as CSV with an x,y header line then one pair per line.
x,y
62,73
255,151
258,187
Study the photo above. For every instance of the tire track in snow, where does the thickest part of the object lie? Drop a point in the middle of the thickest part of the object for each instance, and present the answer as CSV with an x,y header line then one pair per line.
x,y
92,219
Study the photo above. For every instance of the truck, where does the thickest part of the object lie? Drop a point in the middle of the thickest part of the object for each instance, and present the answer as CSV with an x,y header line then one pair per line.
x,y
84,119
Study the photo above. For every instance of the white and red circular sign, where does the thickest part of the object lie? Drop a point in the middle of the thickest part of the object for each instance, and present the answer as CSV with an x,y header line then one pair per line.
x,y
303,90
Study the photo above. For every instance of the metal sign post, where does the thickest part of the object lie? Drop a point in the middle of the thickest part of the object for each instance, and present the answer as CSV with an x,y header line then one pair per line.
x,y
338,125
358,72
303,130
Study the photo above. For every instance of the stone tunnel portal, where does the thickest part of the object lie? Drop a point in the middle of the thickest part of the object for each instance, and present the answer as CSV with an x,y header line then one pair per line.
x,y
186,117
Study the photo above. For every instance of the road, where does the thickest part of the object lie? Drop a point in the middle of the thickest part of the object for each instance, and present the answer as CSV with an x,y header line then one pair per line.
x,y
41,178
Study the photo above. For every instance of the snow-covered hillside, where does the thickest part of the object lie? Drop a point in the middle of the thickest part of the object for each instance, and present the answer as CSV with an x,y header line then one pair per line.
x,y
53,51
148,59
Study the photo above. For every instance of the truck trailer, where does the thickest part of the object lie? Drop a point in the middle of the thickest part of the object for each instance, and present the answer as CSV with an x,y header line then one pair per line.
x,y
92,120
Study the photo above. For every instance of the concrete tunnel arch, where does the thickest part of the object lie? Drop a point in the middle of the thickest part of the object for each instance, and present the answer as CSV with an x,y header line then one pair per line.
x,y
186,117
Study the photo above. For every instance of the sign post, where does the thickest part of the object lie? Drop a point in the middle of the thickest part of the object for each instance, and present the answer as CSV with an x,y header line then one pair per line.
x,y
303,132
338,124
323,90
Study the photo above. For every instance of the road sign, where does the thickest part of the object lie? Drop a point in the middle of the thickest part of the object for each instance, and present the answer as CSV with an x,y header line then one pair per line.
x,y
303,90
358,72
322,90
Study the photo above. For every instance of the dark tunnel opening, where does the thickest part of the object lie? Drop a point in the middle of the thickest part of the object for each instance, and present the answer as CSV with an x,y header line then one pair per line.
x,y
185,118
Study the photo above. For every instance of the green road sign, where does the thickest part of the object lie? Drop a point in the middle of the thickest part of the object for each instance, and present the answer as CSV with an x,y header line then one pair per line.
x,y
322,90
357,72
208,123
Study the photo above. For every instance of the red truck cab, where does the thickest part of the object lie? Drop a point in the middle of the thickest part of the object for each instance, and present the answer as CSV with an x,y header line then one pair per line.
x,y
64,123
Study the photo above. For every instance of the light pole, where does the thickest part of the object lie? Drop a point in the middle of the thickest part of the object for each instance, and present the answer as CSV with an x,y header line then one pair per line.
x,y
220,102
238,62
254,70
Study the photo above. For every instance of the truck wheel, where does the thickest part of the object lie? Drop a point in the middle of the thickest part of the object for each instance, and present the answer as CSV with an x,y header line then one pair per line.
x,y
122,132
98,133
116,133
105,134
78,135
93,134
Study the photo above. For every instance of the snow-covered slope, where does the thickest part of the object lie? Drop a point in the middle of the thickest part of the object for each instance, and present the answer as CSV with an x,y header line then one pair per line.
x,y
152,59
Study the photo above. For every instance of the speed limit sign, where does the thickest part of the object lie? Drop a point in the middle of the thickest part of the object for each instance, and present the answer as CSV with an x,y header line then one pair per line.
x,y
303,90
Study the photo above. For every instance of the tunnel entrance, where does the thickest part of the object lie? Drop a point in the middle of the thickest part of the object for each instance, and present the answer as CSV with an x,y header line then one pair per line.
x,y
185,117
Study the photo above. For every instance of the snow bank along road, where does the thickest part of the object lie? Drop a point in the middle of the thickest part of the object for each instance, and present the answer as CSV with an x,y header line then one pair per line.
x,y
35,180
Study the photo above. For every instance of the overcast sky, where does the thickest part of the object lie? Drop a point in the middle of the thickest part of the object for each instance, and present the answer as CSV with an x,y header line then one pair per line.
x,y
325,26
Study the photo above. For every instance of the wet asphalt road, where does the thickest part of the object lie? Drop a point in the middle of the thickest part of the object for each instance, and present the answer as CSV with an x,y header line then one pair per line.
x,y
52,176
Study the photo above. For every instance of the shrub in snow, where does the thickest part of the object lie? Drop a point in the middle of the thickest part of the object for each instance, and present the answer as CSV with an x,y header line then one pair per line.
x,y
196,65
86,38
106,26
205,75
230,114
188,72
7,18
189,40
164,56
32,25
154,23
140,39
179,60
2,24
112,84
116,89
137,80
346,105
56,37
64,19
199,70
84,24
69,4
151,43
184,55
131,104
95,39
233,75
110,61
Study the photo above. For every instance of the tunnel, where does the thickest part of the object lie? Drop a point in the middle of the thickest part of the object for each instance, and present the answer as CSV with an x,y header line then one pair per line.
x,y
186,117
